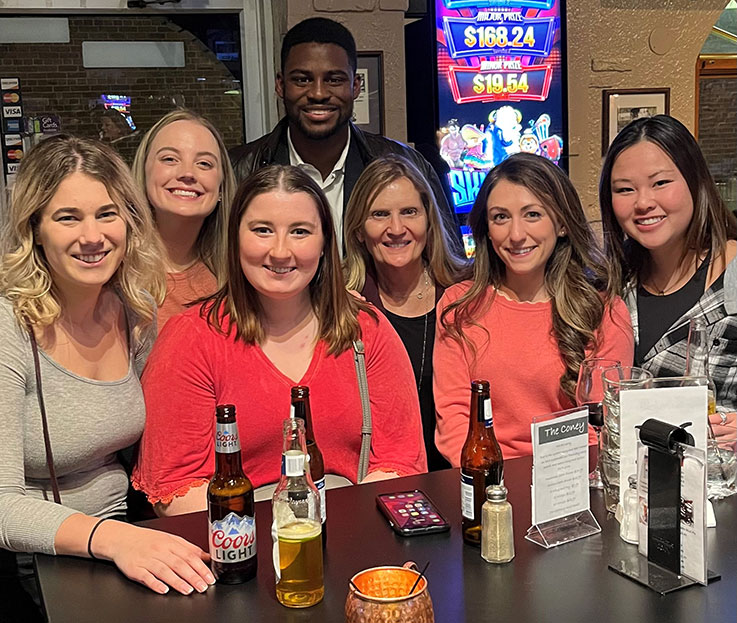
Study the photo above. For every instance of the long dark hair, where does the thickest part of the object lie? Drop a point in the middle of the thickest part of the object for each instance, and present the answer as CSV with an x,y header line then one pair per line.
x,y
574,275
711,225
335,308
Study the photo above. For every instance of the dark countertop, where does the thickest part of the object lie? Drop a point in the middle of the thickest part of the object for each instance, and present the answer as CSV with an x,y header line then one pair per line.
x,y
567,583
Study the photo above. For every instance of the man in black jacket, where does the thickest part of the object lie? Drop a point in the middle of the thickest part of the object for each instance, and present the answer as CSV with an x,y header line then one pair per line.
x,y
318,84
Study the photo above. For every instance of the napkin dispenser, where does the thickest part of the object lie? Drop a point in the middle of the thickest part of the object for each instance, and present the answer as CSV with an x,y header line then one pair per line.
x,y
665,452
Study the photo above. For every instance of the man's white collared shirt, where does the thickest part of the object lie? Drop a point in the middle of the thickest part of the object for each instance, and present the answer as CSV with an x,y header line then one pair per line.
x,y
332,185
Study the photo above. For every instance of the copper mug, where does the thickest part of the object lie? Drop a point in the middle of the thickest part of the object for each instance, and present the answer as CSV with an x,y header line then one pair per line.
x,y
383,594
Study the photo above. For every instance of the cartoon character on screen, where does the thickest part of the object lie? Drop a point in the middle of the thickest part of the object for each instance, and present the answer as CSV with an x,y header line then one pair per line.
x,y
504,132
452,145
528,142
550,146
475,156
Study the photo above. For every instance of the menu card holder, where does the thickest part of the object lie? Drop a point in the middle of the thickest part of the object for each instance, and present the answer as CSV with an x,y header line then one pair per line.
x,y
560,486
661,571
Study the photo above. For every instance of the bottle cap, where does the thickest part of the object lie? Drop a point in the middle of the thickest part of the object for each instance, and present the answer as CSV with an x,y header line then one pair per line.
x,y
480,386
496,493
300,391
225,411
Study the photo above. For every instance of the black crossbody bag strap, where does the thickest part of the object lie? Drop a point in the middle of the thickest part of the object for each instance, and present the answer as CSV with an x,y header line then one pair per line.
x,y
41,405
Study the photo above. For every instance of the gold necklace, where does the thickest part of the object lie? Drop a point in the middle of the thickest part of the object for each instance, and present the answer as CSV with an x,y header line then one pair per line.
x,y
680,281
421,293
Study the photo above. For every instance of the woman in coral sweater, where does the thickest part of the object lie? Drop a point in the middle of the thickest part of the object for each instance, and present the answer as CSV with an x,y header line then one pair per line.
x,y
539,303
283,318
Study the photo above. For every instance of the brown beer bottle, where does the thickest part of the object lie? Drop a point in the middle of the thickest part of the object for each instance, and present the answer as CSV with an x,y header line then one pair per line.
x,y
301,409
230,507
482,464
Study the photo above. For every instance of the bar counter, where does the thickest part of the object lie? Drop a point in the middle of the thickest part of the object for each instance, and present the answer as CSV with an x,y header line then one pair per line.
x,y
567,583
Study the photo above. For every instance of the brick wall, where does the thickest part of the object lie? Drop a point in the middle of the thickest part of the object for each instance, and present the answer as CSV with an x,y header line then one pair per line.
x,y
718,125
53,79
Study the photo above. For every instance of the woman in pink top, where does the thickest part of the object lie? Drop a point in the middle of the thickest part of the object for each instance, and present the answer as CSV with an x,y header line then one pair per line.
x,y
183,165
282,318
539,303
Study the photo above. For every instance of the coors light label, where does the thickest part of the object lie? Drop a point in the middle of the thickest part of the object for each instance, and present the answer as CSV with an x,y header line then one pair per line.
x,y
226,438
233,538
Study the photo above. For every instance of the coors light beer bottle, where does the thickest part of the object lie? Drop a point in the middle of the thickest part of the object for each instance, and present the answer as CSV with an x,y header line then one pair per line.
x,y
301,409
230,511
482,464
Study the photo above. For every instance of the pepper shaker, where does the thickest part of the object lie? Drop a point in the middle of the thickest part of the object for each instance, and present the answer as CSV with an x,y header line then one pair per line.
x,y
497,532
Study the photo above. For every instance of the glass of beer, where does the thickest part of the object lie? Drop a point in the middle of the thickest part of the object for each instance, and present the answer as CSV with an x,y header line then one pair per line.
x,y
300,563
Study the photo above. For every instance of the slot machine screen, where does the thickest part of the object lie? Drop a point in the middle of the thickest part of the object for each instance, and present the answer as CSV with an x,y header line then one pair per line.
x,y
501,88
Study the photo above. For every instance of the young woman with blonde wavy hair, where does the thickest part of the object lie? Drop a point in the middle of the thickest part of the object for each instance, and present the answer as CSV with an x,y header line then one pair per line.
x,y
183,167
537,305
401,256
79,275
282,318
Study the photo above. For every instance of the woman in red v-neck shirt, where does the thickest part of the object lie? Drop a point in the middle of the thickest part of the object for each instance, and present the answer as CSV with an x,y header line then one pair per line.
x,y
283,318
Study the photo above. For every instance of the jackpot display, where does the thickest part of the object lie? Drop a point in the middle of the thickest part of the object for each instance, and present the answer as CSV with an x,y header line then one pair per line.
x,y
500,86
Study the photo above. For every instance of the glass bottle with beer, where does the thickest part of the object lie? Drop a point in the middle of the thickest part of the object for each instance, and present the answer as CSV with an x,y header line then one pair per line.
x,y
482,464
230,506
301,409
297,527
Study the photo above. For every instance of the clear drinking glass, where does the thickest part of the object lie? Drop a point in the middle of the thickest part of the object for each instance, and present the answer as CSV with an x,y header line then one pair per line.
x,y
721,460
590,393
616,380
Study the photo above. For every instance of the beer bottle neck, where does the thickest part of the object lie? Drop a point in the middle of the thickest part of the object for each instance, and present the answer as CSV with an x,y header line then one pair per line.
x,y
227,450
301,409
481,422
228,464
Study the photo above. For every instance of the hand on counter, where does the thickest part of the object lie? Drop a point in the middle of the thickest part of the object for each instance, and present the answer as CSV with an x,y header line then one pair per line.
x,y
155,559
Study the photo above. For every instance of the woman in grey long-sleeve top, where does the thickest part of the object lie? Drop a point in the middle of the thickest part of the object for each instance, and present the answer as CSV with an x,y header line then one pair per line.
x,y
80,257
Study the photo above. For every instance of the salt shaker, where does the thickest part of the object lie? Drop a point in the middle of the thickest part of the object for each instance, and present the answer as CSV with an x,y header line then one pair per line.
x,y
497,532
629,526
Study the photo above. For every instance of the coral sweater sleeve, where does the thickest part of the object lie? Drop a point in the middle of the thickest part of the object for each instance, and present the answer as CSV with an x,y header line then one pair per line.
x,y
451,384
616,338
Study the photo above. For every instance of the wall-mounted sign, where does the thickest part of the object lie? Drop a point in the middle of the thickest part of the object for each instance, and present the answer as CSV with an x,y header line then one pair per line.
x,y
12,124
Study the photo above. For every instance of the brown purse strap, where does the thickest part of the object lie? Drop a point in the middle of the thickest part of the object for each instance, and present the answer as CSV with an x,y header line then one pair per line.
x,y
47,440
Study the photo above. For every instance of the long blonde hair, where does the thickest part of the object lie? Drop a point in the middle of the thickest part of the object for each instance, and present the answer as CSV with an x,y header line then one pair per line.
x,y
443,264
25,278
210,244
336,309
575,275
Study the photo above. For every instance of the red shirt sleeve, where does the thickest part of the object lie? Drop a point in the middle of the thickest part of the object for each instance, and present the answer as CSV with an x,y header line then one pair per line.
x,y
396,444
176,450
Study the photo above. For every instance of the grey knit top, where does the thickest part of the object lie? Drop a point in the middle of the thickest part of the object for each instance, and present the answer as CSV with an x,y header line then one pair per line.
x,y
89,421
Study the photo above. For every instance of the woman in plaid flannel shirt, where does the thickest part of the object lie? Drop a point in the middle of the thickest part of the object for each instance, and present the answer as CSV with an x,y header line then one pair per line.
x,y
671,242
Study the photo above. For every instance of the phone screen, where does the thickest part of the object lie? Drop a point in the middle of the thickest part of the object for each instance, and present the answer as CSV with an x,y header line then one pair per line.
x,y
411,512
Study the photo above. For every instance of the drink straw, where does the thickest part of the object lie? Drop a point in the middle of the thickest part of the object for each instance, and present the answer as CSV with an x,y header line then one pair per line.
x,y
419,577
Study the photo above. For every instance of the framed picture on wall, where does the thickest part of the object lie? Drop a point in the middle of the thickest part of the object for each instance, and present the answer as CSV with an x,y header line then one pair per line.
x,y
624,105
368,108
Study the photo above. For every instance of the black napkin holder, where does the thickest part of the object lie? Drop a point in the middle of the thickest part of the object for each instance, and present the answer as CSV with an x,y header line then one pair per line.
x,y
661,571
664,491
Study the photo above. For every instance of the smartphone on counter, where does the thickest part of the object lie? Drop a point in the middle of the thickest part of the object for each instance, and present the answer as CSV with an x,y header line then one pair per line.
x,y
411,513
